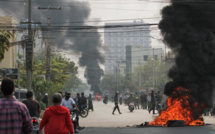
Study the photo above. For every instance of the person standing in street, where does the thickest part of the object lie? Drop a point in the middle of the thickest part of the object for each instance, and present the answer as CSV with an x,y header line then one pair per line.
x,y
45,100
152,102
14,115
32,105
56,118
90,102
116,102
144,101
136,102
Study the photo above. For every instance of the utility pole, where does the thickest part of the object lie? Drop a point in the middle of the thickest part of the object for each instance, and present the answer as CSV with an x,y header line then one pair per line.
x,y
153,70
48,44
29,50
48,55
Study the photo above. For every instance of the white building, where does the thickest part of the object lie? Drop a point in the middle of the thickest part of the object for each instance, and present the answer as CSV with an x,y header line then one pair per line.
x,y
136,55
117,38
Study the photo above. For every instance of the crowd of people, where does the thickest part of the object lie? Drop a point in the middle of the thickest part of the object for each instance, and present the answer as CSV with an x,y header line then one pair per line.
x,y
15,116
142,100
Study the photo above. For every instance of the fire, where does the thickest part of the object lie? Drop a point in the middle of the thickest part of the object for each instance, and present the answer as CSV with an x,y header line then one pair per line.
x,y
179,108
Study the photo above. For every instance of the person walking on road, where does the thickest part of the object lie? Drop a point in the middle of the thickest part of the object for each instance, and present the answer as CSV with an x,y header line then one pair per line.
x,y
56,118
14,115
32,105
116,102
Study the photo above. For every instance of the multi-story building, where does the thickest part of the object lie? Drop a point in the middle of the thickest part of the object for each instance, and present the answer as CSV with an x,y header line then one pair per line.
x,y
136,55
118,37
10,56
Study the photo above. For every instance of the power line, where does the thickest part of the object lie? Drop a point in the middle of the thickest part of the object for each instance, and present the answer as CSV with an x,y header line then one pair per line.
x,y
92,21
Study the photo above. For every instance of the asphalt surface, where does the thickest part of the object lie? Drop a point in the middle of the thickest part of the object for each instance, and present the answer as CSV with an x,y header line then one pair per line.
x,y
101,121
102,117
152,130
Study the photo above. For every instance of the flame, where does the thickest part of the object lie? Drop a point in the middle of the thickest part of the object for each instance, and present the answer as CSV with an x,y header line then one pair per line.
x,y
179,108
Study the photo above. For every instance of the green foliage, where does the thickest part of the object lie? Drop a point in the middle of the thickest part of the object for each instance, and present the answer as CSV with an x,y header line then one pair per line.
x,y
109,82
4,42
63,76
114,82
82,87
143,75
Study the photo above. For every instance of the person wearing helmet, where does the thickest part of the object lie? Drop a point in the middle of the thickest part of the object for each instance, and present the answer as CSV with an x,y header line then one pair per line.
x,y
116,103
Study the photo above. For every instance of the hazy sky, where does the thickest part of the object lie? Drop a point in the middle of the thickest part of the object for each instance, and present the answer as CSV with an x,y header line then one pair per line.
x,y
117,10
126,10
148,10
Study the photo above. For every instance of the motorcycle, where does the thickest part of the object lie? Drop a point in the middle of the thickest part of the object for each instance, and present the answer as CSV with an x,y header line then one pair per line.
x,y
105,101
84,111
159,106
131,107
73,116
36,124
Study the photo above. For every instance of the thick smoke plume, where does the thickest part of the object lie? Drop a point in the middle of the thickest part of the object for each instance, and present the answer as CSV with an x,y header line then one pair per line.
x,y
188,28
88,45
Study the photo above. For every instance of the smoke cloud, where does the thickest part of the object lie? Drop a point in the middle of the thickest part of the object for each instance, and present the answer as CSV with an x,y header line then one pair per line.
x,y
76,40
188,28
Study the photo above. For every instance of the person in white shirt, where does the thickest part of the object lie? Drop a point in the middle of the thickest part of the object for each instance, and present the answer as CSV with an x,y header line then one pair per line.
x,y
70,104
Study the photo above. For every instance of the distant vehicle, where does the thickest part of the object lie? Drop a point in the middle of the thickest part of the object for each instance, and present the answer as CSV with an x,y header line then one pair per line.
x,y
131,107
22,93
19,94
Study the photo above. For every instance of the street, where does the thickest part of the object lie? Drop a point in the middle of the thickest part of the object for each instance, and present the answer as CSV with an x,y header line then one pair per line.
x,y
101,121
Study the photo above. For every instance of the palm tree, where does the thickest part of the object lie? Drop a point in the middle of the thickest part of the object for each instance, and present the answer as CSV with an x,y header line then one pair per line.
x,y
4,42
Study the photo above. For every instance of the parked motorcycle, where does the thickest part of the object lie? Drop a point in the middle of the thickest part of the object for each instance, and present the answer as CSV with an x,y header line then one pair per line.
x,y
36,124
131,106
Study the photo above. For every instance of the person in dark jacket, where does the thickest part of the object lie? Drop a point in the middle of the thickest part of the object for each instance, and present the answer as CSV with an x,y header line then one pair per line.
x,y
152,102
116,102
90,102
32,105
83,102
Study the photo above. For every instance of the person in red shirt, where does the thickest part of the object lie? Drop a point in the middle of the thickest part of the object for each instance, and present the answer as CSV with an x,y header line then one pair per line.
x,y
56,118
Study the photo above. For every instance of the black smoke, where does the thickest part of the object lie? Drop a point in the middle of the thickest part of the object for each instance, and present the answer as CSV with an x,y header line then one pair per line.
x,y
88,45
188,28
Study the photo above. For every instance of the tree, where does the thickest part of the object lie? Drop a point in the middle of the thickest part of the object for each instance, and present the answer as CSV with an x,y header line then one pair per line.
x,y
109,83
63,71
4,42
151,70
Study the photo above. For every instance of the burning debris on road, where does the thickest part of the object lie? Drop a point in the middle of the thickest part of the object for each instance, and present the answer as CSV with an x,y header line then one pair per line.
x,y
180,110
188,29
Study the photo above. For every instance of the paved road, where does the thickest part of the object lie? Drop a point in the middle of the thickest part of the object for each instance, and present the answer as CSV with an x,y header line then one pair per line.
x,y
151,130
101,121
102,117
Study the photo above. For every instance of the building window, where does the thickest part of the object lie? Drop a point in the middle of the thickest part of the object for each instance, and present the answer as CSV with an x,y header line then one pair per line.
x,y
145,57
